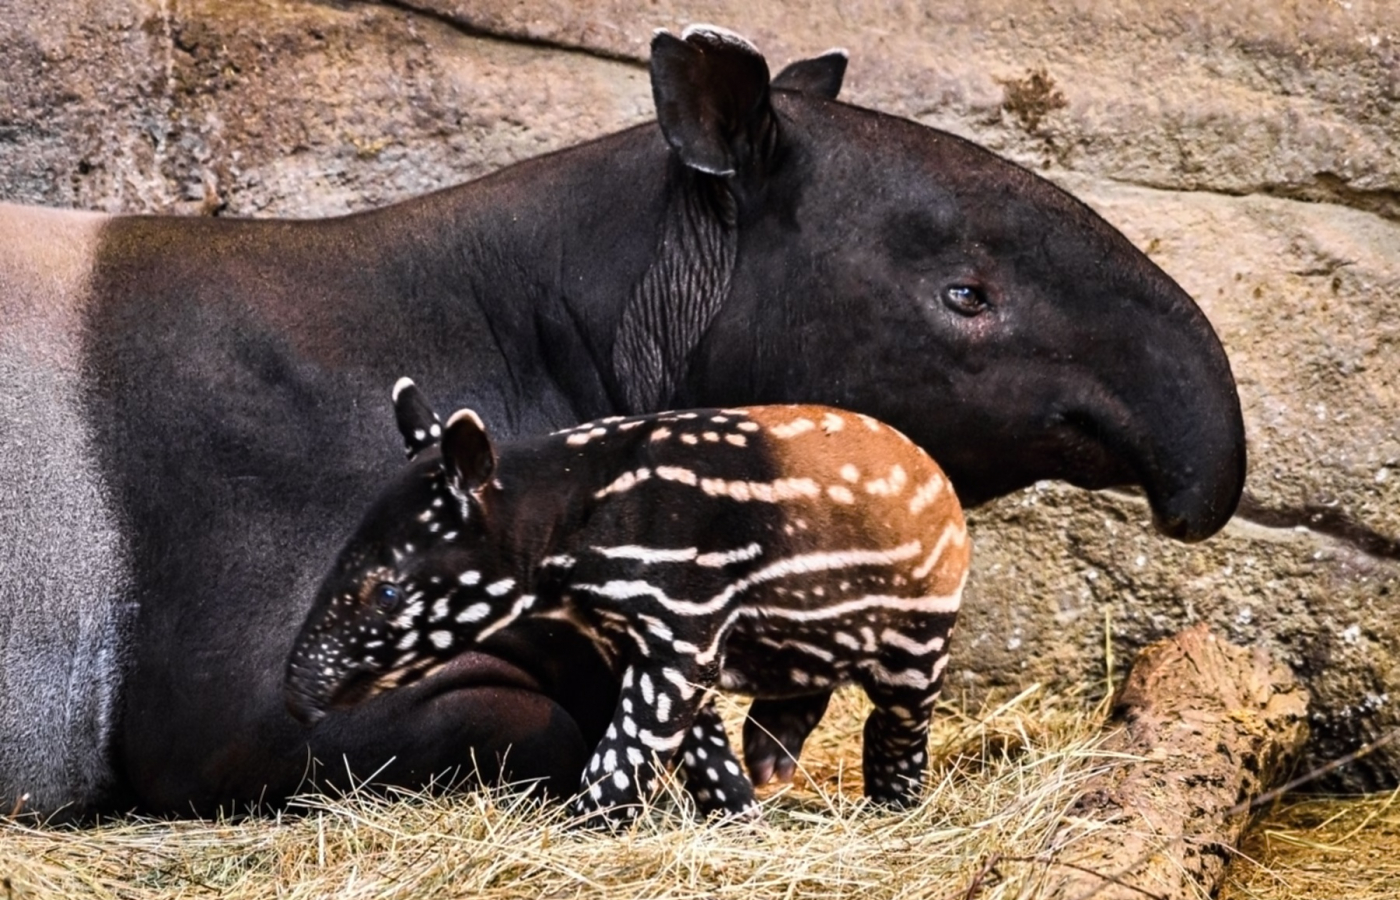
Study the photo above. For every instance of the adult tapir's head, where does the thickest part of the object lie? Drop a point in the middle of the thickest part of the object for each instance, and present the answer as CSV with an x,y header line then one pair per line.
x,y
418,582
852,258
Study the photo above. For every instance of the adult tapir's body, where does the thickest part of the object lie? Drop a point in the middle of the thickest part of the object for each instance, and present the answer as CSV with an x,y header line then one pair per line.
x,y
191,410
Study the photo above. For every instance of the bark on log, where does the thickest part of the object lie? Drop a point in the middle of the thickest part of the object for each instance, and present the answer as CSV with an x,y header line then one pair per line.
x,y
1209,726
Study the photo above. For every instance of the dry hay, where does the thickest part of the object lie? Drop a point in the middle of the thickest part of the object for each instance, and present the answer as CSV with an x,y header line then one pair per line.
x,y
1322,848
999,784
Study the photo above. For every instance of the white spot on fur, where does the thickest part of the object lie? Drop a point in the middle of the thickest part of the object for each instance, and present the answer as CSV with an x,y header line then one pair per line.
x,y
677,474
793,429
474,613
624,482
926,493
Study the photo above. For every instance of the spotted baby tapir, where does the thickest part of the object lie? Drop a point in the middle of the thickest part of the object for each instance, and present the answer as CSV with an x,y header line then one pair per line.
x,y
776,551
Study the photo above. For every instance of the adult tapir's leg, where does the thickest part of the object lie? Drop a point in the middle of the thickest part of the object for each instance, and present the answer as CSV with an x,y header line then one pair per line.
x,y
775,731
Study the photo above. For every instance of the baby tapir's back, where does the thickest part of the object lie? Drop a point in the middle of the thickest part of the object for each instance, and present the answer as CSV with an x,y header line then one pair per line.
x,y
823,539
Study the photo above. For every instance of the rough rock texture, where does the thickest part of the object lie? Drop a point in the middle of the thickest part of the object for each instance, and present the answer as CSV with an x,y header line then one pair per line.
x,y
1199,129
1207,727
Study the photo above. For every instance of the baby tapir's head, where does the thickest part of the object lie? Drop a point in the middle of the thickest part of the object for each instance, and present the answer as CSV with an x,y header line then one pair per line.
x,y
419,581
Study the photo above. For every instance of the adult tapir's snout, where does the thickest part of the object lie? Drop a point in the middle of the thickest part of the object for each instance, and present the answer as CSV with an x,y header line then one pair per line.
x,y
1143,382
995,319
1186,418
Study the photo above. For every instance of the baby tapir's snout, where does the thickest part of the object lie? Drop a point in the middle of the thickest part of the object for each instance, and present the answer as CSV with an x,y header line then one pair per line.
x,y
315,683
776,551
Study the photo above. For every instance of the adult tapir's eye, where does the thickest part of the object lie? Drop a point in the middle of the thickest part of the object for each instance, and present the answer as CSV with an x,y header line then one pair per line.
x,y
387,597
964,299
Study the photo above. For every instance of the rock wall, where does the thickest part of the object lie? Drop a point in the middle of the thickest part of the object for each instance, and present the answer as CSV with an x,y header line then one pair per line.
x,y
1251,147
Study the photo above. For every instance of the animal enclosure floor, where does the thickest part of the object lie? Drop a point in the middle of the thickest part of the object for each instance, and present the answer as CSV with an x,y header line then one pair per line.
x,y
999,783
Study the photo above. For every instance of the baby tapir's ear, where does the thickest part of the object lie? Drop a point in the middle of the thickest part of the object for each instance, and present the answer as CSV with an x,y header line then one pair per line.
x,y
420,426
467,455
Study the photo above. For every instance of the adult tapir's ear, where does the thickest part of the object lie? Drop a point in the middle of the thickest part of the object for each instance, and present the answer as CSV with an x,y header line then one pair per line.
x,y
711,93
467,454
419,425
820,75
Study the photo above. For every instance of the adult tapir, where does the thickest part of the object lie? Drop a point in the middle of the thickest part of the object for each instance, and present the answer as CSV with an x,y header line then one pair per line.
x,y
191,410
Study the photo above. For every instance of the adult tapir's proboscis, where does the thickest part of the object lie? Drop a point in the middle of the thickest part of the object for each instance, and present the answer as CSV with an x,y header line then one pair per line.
x,y
191,412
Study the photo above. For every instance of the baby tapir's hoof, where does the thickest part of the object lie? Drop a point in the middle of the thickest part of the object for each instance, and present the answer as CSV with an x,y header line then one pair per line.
x,y
774,733
590,814
893,764
712,773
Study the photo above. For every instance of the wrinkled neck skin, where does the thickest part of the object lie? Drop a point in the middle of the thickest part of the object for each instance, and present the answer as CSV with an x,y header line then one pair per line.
x,y
549,252
608,261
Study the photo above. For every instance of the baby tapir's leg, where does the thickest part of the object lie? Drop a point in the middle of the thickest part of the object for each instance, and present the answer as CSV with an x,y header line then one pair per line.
x,y
903,687
775,731
657,705
712,773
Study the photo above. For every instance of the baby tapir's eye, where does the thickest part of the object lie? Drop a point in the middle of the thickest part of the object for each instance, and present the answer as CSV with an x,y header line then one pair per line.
x,y
386,597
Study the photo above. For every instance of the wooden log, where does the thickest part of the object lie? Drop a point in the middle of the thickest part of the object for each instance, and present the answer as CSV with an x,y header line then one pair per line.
x,y
1206,726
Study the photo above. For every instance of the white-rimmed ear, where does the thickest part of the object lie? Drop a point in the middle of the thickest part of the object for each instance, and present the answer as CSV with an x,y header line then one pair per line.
x,y
467,455
820,75
419,425
711,90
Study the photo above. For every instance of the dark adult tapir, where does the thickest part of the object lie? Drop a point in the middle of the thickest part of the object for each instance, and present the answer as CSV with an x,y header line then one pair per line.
x,y
191,410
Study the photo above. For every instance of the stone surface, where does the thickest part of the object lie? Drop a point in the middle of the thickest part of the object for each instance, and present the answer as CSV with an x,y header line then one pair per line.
x,y
1196,128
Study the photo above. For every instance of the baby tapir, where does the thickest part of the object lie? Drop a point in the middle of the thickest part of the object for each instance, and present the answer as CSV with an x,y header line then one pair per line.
x,y
778,551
